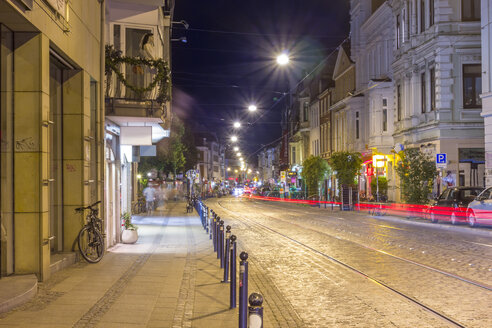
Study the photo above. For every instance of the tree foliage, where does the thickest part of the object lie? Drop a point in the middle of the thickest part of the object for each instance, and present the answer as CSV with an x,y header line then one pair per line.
x,y
383,187
314,170
346,165
417,172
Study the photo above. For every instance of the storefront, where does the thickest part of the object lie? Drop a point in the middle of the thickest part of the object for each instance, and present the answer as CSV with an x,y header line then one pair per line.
x,y
51,145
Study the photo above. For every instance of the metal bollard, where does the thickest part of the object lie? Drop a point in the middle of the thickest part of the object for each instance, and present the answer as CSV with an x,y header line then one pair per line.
x,y
214,232
206,219
232,297
210,220
226,253
255,311
220,246
243,290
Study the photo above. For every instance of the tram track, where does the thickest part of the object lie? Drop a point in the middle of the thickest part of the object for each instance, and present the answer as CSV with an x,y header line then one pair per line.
x,y
251,223
298,213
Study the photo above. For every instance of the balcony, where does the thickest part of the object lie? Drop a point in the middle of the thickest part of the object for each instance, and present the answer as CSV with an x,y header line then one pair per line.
x,y
136,87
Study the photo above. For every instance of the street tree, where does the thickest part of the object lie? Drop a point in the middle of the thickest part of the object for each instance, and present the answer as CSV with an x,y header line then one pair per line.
x,y
314,170
417,172
346,165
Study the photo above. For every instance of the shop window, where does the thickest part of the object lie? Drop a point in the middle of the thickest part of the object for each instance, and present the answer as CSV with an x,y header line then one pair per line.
x,y
472,86
470,10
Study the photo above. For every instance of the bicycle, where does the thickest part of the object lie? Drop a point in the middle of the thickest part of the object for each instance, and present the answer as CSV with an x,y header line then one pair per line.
x,y
139,206
90,240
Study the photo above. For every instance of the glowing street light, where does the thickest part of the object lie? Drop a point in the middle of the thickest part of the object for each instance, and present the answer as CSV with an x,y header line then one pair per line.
x,y
282,59
237,125
236,148
149,174
252,108
233,138
238,154
139,176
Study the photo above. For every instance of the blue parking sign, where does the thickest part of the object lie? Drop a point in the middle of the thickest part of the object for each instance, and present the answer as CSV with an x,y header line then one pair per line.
x,y
441,159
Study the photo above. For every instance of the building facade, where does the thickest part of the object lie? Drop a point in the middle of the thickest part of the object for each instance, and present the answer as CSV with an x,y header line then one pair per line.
x,y
372,48
486,10
135,120
437,76
52,124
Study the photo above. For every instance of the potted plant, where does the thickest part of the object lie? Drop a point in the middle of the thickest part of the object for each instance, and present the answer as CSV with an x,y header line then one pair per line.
x,y
129,235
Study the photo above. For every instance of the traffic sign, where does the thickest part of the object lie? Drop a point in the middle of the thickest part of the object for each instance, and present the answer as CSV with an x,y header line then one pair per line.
x,y
441,160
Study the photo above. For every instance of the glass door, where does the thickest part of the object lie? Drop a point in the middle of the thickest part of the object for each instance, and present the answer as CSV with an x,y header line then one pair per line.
x,y
6,153
55,156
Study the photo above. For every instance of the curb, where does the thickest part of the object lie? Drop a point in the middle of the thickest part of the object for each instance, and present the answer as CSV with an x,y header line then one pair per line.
x,y
17,290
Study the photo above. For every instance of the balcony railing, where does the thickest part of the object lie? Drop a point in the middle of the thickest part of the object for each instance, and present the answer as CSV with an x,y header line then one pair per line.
x,y
136,79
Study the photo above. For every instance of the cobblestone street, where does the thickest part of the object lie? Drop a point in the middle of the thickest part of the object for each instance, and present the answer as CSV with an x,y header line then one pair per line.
x,y
314,267
350,270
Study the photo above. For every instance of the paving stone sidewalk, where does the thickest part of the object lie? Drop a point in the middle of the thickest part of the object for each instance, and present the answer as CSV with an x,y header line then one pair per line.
x,y
170,278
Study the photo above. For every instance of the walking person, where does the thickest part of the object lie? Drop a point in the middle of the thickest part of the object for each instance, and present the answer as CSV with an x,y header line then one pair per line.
x,y
149,194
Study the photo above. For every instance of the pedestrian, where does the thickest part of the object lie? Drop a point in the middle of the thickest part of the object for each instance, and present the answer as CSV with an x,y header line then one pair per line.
x,y
449,180
149,194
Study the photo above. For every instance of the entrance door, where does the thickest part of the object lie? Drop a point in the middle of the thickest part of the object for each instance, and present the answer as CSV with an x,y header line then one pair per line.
x,y
55,151
6,152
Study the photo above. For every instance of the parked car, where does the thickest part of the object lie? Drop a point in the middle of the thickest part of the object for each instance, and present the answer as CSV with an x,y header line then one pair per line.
x,y
480,209
452,204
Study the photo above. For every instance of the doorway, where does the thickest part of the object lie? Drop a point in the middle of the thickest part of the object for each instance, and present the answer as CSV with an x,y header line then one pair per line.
x,y
55,155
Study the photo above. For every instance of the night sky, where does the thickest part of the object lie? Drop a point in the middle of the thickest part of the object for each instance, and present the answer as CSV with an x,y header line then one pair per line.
x,y
229,60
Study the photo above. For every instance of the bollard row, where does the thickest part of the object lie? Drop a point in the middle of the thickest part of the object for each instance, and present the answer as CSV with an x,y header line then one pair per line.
x,y
225,245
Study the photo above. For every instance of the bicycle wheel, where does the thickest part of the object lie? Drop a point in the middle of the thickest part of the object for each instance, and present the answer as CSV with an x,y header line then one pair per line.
x,y
91,244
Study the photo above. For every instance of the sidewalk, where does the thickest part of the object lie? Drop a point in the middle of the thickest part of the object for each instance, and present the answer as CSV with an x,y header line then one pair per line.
x,y
170,278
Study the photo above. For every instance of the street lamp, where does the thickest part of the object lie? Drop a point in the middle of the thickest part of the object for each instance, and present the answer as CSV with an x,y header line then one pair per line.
x,y
252,108
238,154
236,148
237,125
283,59
233,138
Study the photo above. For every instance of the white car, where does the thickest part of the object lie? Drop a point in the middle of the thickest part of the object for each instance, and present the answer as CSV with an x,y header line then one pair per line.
x,y
480,210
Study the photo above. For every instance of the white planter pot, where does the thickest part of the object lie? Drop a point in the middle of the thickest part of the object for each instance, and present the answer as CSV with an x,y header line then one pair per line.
x,y
129,236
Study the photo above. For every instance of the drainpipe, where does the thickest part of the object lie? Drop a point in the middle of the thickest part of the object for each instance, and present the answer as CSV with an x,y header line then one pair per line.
x,y
102,130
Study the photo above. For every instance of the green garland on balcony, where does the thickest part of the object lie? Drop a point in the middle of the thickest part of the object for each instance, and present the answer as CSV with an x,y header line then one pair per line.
x,y
161,78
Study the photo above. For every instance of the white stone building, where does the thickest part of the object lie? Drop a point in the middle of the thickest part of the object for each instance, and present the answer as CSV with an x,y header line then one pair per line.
x,y
437,74
486,10
372,30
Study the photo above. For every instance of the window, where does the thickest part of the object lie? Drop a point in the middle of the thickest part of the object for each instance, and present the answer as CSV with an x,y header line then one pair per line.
x,y
431,12
306,110
472,86
423,95
398,99
117,37
385,114
422,16
293,155
398,31
357,133
470,10
432,73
